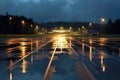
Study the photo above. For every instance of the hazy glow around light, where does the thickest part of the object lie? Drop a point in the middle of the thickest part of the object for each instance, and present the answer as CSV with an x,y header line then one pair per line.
x,y
61,42
90,54
102,41
90,41
23,22
23,48
37,45
103,66
24,66
10,18
83,48
102,20
11,76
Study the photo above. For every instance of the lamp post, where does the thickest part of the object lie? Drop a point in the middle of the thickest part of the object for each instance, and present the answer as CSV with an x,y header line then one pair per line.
x,y
23,23
90,27
10,19
90,24
102,21
36,29
70,28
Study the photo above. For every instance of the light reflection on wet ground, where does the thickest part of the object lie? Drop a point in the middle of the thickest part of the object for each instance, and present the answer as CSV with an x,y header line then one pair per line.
x,y
59,58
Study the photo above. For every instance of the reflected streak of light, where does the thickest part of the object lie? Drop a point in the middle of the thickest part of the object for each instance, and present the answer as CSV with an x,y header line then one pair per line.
x,y
11,76
101,60
90,55
22,43
102,41
31,44
24,66
29,54
11,65
24,63
48,67
11,68
11,41
60,42
51,71
9,50
23,49
83,40
83,48
37,44
32,58
102,63
90,41
103,68
90,47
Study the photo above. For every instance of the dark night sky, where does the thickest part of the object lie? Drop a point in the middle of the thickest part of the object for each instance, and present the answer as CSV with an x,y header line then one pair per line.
x,y
62,10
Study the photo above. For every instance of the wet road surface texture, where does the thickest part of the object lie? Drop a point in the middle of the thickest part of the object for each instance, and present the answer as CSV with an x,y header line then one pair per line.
x,y
60,58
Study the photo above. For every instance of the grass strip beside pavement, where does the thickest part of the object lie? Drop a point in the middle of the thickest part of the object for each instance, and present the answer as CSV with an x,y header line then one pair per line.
x,y
97,36
18,36
72,35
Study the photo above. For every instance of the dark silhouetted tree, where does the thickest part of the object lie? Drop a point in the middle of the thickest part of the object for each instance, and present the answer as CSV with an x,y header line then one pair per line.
x,y
108,27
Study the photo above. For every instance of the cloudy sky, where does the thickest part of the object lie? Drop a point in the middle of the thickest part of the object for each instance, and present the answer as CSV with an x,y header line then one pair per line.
x,y
62,10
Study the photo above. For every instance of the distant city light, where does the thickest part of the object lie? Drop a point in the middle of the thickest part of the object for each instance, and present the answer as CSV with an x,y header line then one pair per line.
x,y
31,25
102,20
90,24
23,22
10,18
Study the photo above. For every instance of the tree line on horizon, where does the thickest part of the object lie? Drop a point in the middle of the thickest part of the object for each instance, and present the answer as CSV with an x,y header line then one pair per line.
x,y
109,28
10,24
112,27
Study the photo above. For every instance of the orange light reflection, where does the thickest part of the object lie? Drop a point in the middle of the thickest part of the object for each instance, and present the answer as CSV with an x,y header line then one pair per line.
x,y
102,41
24,66
24,62
37,45
11,76
23,48
90,55
103,66
83,48
61,43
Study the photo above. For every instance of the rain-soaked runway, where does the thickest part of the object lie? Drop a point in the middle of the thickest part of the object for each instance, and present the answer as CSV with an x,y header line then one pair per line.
x,y
60,58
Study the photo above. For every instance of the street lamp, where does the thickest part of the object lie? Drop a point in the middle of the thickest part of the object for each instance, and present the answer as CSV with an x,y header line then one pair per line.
x,y
90,27
37,26
10,19
102,20
36,29
31,25
70,28
90,24
23,23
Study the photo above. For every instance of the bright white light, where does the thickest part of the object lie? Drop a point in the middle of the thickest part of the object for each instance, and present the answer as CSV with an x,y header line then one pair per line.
x,y
60,42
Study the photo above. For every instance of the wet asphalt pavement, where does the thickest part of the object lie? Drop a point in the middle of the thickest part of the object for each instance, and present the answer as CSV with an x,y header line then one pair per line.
x,y
60,58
